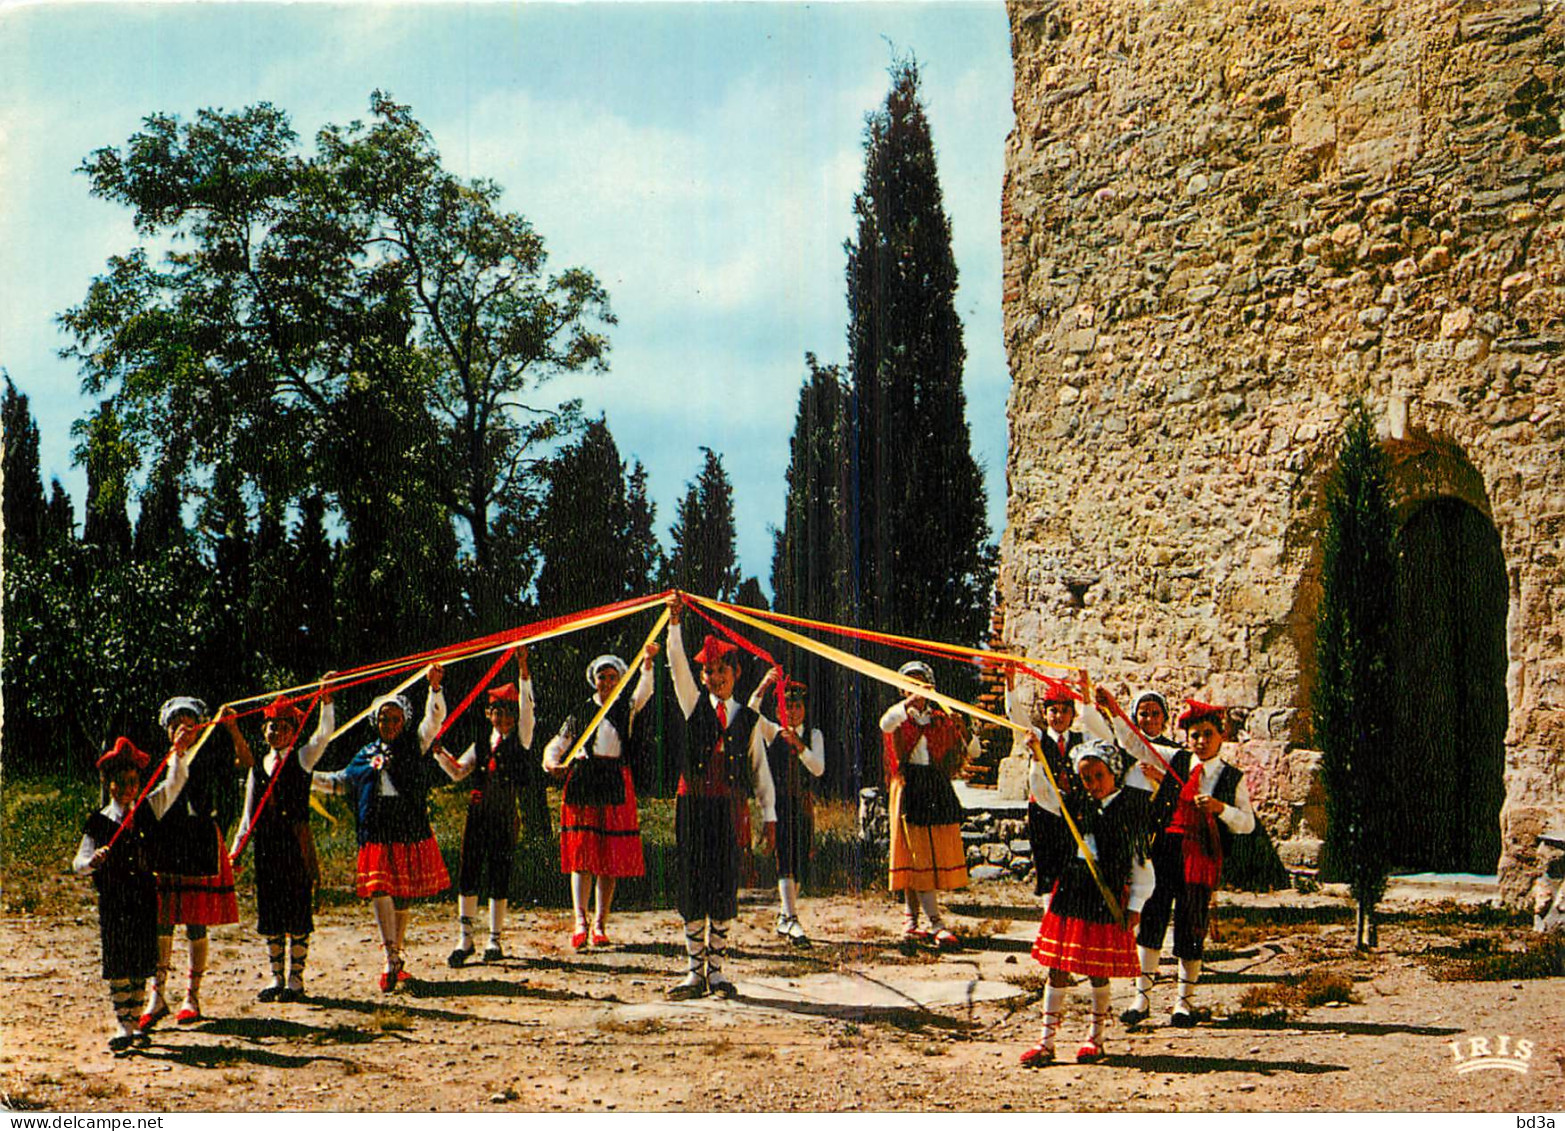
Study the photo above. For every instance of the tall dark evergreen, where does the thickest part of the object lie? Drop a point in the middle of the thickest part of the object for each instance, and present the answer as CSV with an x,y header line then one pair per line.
x,y
645,560
702,555
584,528
1351,699
160,524
916,494
60,521
312,572
25,512
110,459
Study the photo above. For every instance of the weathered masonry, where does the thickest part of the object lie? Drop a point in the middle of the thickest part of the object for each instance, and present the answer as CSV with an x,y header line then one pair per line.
x,y
1221,221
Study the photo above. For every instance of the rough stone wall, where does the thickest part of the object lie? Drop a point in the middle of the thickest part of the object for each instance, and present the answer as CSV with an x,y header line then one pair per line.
x,y
1221,220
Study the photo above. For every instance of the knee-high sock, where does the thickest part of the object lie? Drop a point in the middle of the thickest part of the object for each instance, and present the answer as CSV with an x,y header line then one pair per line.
x,y
909,910
1100,1011
1145,980
695,944
1189,975
402,917
165,961
717,946
298,955
581,891
198,957
386,920
1053,1008
788,891
496,920
930,901
604,894
276,953
123,993
466,912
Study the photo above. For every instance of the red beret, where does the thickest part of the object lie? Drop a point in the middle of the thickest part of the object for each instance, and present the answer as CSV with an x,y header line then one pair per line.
x,y
716,650
1195,711
123,755
505,693
1057,691
282,709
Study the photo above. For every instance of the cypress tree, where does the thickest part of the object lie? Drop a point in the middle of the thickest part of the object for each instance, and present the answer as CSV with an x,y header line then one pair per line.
x,y
703,559
60,520
23,503
312,571
584,528
645,559
1351,698
110,459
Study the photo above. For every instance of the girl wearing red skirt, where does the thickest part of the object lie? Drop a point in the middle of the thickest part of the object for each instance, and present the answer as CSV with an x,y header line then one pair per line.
x,y
1079,934
389,781
195,878
600,832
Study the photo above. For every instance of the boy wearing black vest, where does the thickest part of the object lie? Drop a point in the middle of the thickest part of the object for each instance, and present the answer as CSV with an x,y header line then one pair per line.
x,y
723,761
1197,820
1051,721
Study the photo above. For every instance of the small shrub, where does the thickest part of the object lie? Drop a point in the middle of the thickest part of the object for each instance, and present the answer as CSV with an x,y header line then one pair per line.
x,y
1482,960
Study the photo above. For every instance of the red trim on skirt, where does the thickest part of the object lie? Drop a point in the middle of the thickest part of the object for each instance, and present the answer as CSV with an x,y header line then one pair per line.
x,y
1077,946
402,870
604,840
204,901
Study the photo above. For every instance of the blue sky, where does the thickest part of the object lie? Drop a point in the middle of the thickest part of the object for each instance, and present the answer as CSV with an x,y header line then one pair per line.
x,y
701,159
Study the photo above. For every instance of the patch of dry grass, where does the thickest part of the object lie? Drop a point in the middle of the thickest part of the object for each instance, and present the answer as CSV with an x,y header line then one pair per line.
x,y
1487,959
1296,992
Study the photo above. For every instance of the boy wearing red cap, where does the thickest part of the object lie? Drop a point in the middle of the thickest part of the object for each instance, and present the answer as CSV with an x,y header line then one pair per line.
x,y
1197,818
503,777
1050,722
114,851
722,762
279,831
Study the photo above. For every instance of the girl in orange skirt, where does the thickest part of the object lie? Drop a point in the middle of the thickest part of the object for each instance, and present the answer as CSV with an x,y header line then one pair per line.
x,y
1079,933
195,878
389,780
926,747
600,832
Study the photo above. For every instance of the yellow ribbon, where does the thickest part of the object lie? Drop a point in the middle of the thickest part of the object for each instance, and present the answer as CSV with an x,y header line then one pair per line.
x,y
619,689
912,686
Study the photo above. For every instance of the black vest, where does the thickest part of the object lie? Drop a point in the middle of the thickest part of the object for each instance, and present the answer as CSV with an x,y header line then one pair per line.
x,y
701,738
789,776
290,800
1225,789
129,861
593,780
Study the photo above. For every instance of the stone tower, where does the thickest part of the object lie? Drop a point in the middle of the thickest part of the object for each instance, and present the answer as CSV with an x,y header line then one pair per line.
x,y
1221,222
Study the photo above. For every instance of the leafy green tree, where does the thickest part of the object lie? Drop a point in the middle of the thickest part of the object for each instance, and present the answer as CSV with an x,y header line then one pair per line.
x,y
916,494
1351,697
25,512
751,595
702,558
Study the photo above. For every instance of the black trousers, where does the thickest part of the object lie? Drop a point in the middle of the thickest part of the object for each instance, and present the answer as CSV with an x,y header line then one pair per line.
x,y
708,858
1188,904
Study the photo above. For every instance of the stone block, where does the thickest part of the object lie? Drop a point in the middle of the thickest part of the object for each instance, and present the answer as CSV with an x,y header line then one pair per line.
x,y
984,872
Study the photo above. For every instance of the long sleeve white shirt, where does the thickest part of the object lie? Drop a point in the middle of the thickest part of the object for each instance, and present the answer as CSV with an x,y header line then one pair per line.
x,y
606,742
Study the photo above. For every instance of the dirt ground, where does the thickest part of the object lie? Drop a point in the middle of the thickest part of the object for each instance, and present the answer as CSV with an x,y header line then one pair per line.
x,y
854,1023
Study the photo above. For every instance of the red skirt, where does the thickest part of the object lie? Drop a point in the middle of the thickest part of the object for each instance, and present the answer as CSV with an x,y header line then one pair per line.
x,y
1077,946
206,901
602,839
402,870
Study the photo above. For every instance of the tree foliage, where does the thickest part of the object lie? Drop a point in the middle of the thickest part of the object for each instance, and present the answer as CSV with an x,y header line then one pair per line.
x,y
1351,698
25,513
702,555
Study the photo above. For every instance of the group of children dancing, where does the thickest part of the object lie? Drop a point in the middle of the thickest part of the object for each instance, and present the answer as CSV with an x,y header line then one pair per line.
x,y
1124,826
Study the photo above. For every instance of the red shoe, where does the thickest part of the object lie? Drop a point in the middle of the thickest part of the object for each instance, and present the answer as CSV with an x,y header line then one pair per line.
x,y
1090,1053
187,1016
945,940
600,939
152,1016
1038,1056
579,940
917,935
389,979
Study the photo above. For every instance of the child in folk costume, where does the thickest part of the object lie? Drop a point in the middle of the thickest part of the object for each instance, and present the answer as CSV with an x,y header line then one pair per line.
x,y
389,781
1079,933
195,878
600,832
127,887
722,761
501,776
793,764
1050,723
1195,822
1149,710
925,748
278,832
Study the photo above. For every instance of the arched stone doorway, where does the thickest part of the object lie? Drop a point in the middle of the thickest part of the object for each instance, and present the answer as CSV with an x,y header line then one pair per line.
x,y
1449,686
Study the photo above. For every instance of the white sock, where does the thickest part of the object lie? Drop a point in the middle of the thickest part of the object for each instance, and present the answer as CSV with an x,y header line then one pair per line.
x,y
403,915
1053,1008
1100,1011
198,956
695,945
1148,976
931,905
581,889
276,952
910,907
298,955
466,912
497,908
716,947
788,890
603,890
1189,975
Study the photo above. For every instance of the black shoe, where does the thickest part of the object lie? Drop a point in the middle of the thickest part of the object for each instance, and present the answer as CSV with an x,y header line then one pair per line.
x,y
458,956
493,954
1133,1016
722,987
692,987
120,1042
270,994
289,994
1182,1020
